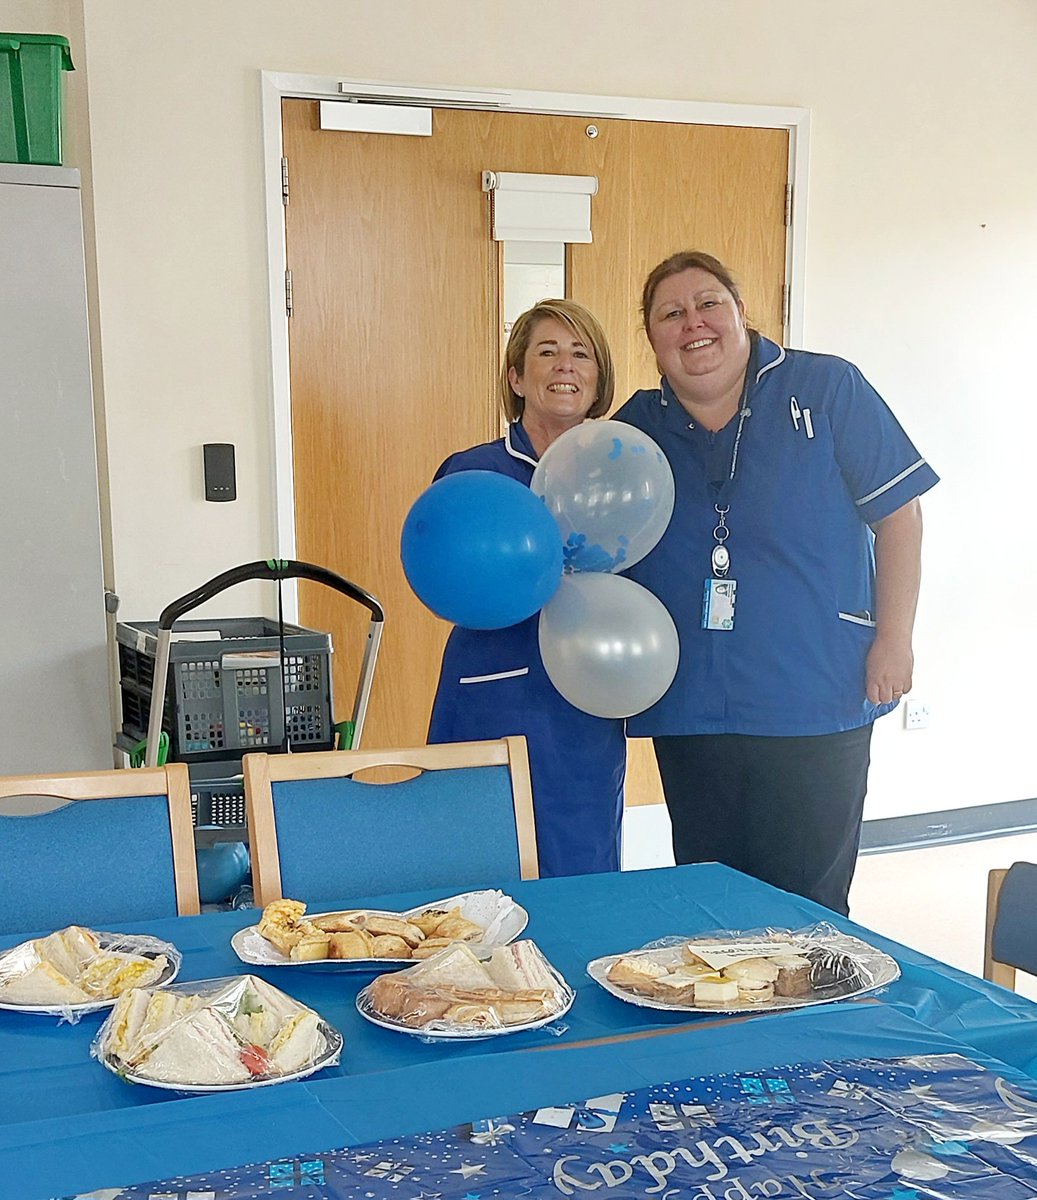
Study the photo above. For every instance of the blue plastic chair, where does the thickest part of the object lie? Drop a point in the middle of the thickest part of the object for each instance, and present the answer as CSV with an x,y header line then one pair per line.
x,y
1011,938
121,848
317,834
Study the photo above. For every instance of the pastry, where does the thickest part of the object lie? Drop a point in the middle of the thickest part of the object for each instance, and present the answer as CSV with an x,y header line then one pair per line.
x,y
387,945
341,922
378,924
459,928
356,943
280,924
311,946
429,919
430,946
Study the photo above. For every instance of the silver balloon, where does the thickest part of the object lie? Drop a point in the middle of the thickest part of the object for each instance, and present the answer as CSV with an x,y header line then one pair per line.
x,y
610,489
608,645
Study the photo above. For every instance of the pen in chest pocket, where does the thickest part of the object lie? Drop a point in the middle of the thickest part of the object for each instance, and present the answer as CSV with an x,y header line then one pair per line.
x,y
801,414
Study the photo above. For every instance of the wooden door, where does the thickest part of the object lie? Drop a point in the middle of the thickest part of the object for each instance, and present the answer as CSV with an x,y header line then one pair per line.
x,y
394,334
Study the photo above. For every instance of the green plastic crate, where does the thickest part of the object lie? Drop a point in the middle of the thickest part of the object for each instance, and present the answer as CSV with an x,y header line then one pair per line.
x,y
30,96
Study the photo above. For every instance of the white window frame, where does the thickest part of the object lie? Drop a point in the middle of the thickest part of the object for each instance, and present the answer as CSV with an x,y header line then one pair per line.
x,y
277,85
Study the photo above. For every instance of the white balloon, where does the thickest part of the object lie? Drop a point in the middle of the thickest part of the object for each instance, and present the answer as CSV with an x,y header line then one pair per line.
x,y
608,645
610,489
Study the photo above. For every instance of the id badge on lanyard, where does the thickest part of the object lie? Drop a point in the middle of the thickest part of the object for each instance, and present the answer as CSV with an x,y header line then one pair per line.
x,y
718,598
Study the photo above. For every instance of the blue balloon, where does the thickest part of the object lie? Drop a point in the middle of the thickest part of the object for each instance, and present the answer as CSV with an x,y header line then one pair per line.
x,y
222,869
480,550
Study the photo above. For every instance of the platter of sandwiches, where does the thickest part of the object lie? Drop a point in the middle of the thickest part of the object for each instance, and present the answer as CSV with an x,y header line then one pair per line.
x,y
363,939
739,973
216,1035
77,970
466,992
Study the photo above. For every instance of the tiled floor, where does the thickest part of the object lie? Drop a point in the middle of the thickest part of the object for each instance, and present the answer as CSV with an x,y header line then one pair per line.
x,y
932,899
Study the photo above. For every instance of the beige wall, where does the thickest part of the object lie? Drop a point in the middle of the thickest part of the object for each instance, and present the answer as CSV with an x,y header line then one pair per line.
x,y
920,251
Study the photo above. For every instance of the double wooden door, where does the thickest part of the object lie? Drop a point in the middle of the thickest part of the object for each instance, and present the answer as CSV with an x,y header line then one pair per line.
x,y
395,331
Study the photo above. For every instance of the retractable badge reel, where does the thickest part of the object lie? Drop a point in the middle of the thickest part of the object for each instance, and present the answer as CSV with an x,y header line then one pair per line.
x,y
718,600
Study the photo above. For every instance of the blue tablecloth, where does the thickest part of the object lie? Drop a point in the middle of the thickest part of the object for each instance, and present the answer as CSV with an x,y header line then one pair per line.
x,y
106,1133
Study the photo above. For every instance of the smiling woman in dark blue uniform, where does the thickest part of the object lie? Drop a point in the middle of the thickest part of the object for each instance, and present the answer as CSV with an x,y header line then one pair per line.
x,y
791,568
557,372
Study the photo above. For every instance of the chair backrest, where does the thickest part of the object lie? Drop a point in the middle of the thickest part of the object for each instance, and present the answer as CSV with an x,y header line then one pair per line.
x,y
1011,934
120,849
316,834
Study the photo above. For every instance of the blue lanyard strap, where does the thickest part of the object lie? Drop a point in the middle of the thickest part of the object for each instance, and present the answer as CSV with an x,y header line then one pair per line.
x,y
743,411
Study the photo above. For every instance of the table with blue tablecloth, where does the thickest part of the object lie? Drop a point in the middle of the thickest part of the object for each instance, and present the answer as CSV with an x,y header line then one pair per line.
x,y
67,1125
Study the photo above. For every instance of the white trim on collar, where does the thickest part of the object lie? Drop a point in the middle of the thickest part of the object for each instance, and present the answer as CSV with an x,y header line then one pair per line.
x,y
774,363
521,454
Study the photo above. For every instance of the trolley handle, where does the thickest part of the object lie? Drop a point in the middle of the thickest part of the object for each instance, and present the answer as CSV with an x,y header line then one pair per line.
x,y
272,568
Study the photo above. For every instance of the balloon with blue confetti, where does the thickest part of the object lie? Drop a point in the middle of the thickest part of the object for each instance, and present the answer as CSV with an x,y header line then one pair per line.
x,y
610,488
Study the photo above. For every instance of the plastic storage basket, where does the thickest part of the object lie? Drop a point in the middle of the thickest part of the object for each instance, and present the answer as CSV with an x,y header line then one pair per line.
x,y
223,690
30,96
219,804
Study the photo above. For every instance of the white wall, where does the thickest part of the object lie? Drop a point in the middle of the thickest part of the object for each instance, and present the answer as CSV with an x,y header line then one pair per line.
x,y
921,248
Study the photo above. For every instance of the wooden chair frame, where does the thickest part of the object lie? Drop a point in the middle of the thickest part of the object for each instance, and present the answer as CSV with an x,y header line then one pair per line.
x,y
260,770
171,781
996,972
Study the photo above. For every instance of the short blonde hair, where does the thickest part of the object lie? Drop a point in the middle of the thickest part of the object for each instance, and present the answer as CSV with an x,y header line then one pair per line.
x,y
586,327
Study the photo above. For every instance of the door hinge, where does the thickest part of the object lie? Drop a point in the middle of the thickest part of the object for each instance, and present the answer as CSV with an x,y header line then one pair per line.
x,y
788,201
284,181
288,293
785,305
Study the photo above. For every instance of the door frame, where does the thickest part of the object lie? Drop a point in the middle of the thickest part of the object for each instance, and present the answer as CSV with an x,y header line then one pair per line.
x,y
277,86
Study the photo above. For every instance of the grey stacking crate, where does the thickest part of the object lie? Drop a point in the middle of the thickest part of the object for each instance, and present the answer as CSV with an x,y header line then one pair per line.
x,y
223,692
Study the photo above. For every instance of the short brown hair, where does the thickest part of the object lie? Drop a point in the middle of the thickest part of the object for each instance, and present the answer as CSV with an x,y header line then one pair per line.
x,y
686,260
586,327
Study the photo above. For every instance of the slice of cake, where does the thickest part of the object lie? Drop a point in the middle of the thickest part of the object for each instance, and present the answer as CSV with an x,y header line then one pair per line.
x,y
715,990
793,977
761,969
754,991
674,989
636,974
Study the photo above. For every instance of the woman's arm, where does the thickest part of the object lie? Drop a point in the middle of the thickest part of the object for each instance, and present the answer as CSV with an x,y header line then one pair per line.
x,y
898,572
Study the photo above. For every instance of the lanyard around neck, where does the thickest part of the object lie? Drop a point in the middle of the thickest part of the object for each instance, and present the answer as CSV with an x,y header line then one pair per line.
x,y
744,411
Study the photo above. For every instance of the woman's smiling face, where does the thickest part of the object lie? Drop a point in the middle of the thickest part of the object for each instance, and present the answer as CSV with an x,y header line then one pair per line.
x,y
559,380
697,329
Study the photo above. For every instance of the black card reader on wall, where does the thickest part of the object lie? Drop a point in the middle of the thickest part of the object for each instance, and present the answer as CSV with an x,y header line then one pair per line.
x,y
220,483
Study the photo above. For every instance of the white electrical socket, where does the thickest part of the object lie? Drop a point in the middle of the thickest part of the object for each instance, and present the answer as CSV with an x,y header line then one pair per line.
x,y
916,714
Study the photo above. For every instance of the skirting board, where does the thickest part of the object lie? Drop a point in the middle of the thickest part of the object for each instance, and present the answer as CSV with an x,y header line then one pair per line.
x,y
886,834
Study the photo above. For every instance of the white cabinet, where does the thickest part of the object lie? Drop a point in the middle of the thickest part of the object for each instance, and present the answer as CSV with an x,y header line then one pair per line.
x,y
54,691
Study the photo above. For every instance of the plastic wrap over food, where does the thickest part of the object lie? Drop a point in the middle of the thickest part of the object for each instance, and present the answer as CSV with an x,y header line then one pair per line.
x,y
214,1035
77,970
465,991
737,971
359,938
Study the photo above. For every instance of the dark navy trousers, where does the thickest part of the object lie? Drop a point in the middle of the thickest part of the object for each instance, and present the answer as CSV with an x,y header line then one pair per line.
x,y
786,810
